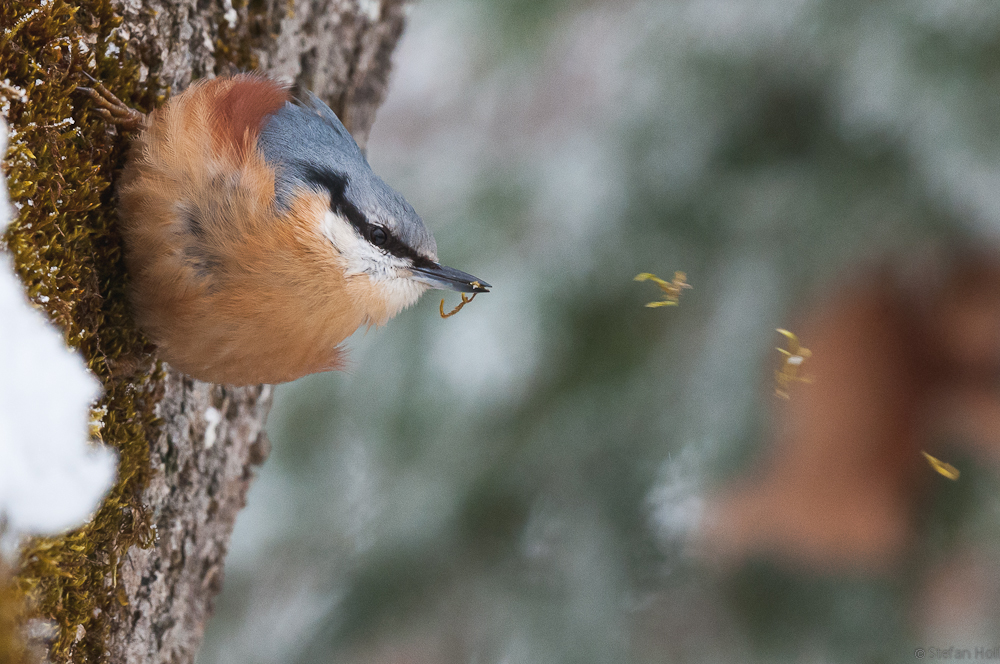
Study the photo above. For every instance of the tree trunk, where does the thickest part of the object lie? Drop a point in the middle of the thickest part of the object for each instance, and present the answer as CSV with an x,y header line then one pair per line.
x,y
201,461
212,434
339,49
208,438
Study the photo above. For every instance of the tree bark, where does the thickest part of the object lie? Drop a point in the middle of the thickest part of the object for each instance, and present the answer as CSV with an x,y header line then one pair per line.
x,y
212,435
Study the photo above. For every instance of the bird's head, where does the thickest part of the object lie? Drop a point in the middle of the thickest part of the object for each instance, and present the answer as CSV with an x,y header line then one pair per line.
x,y
374,230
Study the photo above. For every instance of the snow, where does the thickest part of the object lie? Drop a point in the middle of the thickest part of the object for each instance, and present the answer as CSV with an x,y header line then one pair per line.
x,y
212,419
51,477
370,8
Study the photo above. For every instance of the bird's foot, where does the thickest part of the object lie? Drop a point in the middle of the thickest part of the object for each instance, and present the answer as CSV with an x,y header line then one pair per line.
x,y
111,108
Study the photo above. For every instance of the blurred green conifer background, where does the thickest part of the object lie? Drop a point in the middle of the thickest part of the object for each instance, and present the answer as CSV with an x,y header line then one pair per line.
x,y
517,483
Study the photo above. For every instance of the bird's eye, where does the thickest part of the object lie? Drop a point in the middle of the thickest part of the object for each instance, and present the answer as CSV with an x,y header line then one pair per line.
x,y
378,236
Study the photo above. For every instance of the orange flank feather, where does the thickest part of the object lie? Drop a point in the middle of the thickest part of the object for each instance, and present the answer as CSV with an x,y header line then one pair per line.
x,y
231,289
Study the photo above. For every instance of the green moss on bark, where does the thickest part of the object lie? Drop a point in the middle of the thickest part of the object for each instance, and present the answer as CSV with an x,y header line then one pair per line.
x,y
67,250
12,649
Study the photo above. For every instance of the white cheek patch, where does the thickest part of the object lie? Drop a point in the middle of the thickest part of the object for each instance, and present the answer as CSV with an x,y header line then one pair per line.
x,y
357,252
389,274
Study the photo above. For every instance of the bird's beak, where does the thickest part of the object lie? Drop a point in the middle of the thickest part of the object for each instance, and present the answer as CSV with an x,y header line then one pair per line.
x,y
448,278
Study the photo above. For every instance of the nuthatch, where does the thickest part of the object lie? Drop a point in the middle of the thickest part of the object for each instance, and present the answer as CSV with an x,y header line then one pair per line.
x,y
257,236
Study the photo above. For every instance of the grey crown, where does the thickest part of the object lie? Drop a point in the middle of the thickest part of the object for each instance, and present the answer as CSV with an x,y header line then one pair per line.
x,y
306,137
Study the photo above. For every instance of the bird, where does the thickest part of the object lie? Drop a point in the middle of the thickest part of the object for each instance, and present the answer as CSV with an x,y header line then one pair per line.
x,y
256,236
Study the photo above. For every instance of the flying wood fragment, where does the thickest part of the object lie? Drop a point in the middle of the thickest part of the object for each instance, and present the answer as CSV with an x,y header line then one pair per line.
x,y
671,289
946,469
795,357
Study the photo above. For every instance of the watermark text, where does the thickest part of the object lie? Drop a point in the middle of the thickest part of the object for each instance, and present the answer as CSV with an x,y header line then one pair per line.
x,y
955,652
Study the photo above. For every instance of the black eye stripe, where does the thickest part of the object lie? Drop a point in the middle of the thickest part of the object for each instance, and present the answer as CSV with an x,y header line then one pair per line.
x,y
336,185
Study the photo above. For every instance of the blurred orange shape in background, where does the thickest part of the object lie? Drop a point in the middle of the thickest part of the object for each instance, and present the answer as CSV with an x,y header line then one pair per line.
x,y
898,364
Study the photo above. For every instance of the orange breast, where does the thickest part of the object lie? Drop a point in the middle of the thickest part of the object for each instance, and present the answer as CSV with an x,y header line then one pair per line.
x,y
230,289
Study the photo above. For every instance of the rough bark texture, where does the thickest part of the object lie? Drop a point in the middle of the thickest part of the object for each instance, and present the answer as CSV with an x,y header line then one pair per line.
x,y
202,459
339,49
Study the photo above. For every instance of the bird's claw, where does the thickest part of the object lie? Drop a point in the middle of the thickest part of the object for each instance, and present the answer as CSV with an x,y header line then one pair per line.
x,y
111,108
